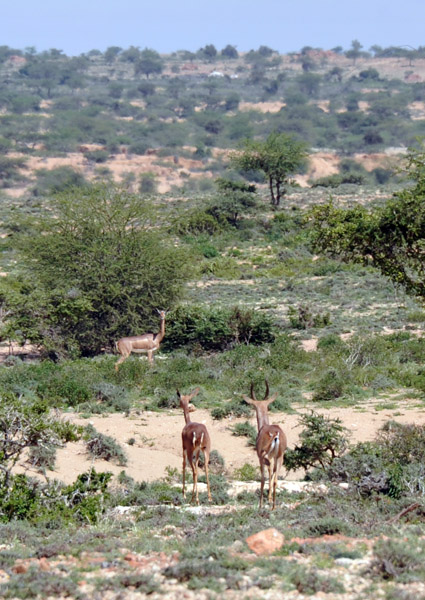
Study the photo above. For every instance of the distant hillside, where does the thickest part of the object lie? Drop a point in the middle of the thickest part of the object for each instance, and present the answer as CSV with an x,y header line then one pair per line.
x,y
165,122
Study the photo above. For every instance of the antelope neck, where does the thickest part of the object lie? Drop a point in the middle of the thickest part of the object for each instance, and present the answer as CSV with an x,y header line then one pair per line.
x,y
186,414
262,417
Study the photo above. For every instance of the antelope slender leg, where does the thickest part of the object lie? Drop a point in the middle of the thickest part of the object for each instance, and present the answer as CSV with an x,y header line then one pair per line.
x,y
119,361
270,481
263,476
277,465
207,459
150,357
184,473
195,479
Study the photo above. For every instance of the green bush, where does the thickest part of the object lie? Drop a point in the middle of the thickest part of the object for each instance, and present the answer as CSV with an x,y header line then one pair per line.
x,y
247,430
393,464
97,156
322,441
330,386
401,560
246,473
19,499
302,317
52,181
104,446
197,222
217,328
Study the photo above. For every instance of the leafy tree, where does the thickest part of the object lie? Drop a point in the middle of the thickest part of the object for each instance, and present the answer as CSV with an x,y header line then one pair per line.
x,y
111,53
309,83
6,52
355,51
146,89
307,63
279,157
390,237
148,63
115,90
209,52
92,270
148,183
10,170
232,101
52,181
265,51
131,55
235,199
335,74
43,74
229,52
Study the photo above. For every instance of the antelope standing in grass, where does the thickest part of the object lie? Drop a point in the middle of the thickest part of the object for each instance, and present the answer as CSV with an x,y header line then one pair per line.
x,y
195,438
270,445
146,342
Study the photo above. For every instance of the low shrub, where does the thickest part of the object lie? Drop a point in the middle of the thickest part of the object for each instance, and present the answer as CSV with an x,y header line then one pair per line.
x,y
302,317
310,581
247,430
217,328
322,440
104,446
401,560
196,223
246,472
330,386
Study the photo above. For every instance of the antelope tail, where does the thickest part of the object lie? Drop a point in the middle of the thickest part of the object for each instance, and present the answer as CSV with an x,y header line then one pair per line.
x,y
275,442
201,439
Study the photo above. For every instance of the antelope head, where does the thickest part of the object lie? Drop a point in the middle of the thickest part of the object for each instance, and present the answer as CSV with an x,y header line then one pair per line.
x,y
185,399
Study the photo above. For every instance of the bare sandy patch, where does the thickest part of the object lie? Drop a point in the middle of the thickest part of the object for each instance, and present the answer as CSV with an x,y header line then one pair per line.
x,y
157,436
265,107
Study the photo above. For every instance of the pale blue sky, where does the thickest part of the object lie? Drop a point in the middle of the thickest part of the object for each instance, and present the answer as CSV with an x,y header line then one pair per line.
x,y
77,26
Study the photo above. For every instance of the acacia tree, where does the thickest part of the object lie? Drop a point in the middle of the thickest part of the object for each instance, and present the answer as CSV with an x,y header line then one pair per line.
x,y
391,237
92,270
279,157
148,63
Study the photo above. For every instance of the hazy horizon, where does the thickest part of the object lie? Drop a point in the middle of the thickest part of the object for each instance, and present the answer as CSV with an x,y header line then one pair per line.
x,y
78,26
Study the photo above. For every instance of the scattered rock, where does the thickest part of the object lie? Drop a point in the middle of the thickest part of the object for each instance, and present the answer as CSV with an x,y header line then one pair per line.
x,y
266,541
20,568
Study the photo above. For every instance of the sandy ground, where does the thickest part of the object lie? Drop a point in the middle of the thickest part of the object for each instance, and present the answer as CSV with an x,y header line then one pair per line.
x,y
158,442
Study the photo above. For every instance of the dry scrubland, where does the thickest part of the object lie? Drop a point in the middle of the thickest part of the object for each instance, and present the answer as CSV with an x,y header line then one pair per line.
x,y
348,346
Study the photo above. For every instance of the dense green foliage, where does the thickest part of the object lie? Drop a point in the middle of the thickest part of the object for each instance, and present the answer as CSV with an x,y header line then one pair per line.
x,y
390,237
91,271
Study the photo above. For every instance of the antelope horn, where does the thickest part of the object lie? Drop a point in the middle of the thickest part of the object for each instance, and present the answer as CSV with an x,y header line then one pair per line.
x,y
267,390
252,391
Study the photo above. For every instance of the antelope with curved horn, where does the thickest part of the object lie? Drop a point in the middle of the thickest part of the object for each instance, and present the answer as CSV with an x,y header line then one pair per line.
x,y
270,445
147,342
195,438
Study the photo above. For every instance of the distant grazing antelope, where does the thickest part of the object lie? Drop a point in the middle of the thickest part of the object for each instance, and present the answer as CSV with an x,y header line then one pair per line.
x,y
195,438
270,445
147,342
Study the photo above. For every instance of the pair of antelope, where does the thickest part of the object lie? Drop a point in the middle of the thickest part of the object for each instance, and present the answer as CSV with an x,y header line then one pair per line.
x,y
270,444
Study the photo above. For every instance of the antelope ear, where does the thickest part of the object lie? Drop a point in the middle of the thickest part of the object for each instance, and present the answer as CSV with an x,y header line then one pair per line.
x,y
195,392
271,399
248,399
